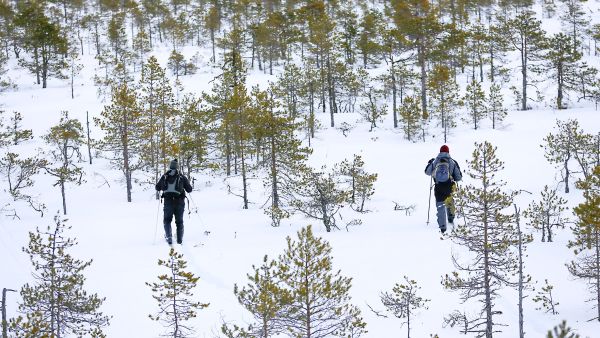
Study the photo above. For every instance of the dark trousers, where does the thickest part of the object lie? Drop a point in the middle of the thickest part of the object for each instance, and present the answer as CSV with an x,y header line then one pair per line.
x,y
174,206
444,203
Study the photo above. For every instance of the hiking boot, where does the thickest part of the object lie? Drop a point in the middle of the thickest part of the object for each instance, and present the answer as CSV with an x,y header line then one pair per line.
x,y
179,241
169,240
443,229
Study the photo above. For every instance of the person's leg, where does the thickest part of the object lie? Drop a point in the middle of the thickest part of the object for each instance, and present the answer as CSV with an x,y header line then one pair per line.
x,y
168,217
450,208
180,208
441,215
441,192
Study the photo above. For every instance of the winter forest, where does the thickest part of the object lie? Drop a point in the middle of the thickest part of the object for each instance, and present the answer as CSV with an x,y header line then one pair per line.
x,y
304,127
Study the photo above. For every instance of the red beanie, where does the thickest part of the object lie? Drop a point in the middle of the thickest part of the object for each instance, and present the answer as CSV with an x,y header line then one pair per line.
x,y
444,149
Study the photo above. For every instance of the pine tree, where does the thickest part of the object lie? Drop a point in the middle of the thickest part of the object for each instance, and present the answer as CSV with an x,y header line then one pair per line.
x,y
562,63
265,298
575,22
14,130
194,136
65,139
158,117
371,25
419,22
173,292
320,305
547,213
562,331
586,243
45,42
288,88
373,111
360,182
525,34
565,145
56,304
477,48
495,109
544,296
411,118
212,23
444,98
523,239
403,301
121,122
283,154
475,101
489,235
19,174
319,196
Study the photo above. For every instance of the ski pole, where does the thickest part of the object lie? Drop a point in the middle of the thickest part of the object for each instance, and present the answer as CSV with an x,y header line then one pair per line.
x,y
156,223
196,207
429,205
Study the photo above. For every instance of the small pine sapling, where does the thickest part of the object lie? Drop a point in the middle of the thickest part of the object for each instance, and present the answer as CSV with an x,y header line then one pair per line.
x,y
547,213
56,303
460,319
562,147
264,297
495,105
411,118
65,140
320,305
372,111
15,130
475,102
562,331
586,242
173,292
361,182
403,301
545,300
320,196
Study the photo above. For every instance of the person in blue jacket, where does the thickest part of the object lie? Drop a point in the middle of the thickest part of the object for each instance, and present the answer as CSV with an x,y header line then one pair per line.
x,y
445,172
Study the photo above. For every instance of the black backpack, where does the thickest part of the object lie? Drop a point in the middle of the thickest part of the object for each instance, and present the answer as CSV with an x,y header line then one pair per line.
x,y
173,187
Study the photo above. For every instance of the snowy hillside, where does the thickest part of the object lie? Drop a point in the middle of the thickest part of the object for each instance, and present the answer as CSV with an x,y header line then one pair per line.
x,y
223,241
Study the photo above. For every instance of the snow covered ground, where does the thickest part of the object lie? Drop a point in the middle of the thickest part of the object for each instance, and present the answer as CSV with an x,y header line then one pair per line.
x,y
222,241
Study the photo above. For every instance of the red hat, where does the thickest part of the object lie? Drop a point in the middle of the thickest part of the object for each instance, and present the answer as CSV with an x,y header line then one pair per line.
x,y
444,149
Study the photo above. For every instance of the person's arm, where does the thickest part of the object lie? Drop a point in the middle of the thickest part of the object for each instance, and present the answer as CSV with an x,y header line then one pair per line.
x,y
161,183
456,173
429,167
186,184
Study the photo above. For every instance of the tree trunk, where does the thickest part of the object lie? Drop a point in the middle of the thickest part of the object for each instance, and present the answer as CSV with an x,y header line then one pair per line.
x,y
486,261
212,39
244,179
394,92
422,65
524,74
330,84
89,141
597,233
559,96
126,168
36,59
4,322
521,279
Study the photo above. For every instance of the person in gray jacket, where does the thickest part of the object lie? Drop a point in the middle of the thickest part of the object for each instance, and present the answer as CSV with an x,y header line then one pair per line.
x,y
445,172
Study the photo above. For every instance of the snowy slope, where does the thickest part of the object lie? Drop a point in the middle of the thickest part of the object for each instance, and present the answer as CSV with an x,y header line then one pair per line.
x,y
222,241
